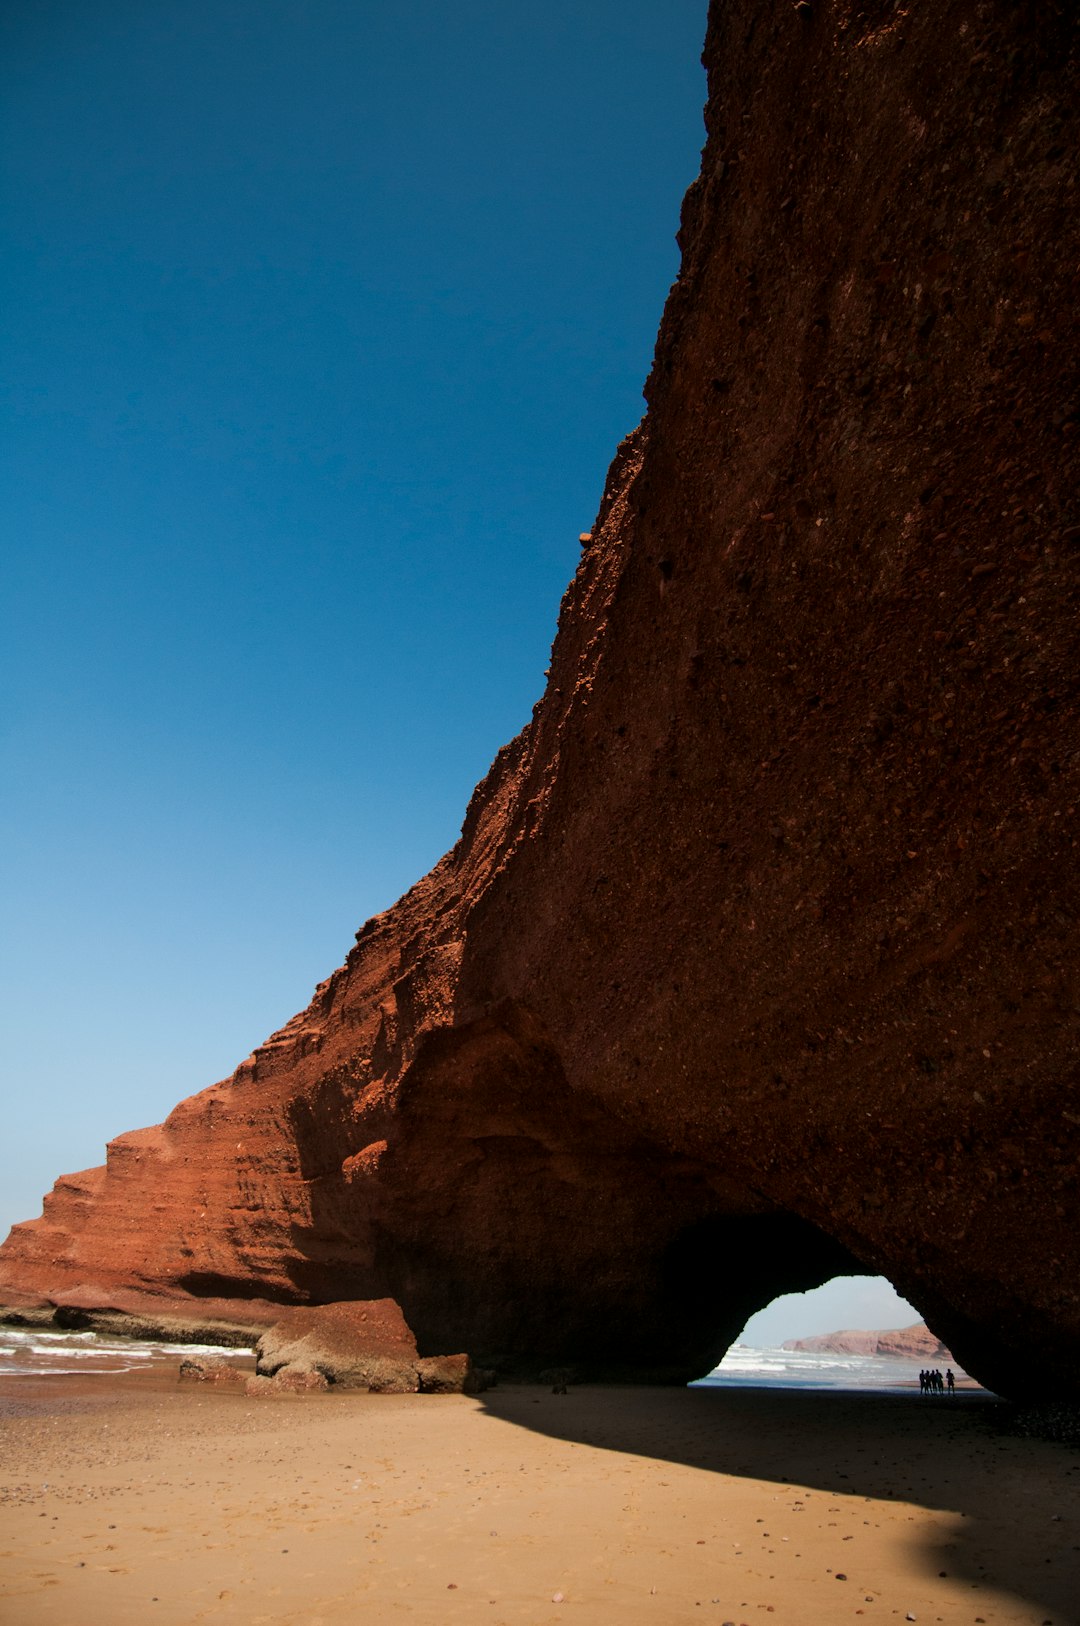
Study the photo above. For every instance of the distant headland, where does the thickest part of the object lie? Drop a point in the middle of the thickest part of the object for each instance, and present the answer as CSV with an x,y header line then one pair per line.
x,y
916,1342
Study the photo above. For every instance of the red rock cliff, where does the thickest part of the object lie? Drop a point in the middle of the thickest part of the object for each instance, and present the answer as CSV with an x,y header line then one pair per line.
x,y
915,1343
757,957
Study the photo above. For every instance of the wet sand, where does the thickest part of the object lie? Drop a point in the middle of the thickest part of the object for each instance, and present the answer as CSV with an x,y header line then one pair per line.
x,y
144,1501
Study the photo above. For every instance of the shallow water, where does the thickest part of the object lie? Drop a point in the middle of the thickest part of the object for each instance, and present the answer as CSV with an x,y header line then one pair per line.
x,y
745,1366
40,1352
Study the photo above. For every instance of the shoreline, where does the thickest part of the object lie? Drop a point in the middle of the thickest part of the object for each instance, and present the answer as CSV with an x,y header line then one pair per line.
x,y
138,1497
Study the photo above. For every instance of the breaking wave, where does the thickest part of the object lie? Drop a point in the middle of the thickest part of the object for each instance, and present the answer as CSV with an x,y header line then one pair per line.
x,y
38,1352
745,1366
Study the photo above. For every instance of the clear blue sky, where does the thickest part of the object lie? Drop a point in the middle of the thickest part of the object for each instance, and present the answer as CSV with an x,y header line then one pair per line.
x,y
321,322
848,1302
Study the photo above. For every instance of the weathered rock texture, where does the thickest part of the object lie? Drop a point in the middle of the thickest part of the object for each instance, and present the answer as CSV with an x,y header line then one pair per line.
x,y
361,1345
757,958
915,1343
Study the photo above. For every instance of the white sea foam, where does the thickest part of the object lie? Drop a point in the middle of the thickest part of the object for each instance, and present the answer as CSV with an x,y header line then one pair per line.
x,y
40,1352
745,1366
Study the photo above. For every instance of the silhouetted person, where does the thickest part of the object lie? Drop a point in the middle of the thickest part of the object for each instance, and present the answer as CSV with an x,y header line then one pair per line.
x,y
950,1381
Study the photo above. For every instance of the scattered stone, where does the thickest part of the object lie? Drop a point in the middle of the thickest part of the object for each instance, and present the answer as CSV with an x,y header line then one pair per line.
x,y
293,1380
288,1381
1051,1420
450,1375
207,1369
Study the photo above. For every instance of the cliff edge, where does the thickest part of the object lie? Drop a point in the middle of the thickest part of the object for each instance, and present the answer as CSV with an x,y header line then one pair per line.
x,y
756,961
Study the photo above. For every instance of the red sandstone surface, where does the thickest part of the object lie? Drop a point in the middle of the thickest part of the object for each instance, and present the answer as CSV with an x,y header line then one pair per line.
x,y
915,1343
757,957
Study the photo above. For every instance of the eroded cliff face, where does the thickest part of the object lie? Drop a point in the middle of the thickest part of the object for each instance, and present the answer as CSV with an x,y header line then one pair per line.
x,y
757,958
915,1343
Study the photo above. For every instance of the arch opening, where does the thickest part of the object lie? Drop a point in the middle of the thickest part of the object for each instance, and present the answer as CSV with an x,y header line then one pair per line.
x,y
852,1332
862,1303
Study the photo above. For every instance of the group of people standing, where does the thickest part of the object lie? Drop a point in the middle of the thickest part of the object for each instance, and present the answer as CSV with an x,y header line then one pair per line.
x,y
932,1382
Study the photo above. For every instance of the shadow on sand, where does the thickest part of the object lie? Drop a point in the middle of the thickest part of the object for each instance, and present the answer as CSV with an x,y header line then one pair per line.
x,y
944,1455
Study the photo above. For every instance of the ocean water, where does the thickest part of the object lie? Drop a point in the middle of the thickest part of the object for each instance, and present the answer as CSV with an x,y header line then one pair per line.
x,y
747,1367
38,1352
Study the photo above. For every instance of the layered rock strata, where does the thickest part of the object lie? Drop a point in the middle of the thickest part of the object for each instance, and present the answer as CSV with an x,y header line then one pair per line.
x,y
915,1343
757,958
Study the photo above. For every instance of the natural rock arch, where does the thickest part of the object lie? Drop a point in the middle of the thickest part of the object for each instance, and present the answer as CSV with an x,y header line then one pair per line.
x,y
760,940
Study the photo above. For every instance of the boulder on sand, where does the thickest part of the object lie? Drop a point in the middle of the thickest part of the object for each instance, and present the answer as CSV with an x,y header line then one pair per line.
x,y
289,1381
452,1375
209,1369
360,1344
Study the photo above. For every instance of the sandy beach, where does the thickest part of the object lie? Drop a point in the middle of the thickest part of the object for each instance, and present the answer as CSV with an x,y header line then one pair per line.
x,y
144,1500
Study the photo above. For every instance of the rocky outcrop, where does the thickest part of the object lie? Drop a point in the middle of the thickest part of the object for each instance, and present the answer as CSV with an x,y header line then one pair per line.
x,y
359,1346
757,958
364,1345
916,1343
